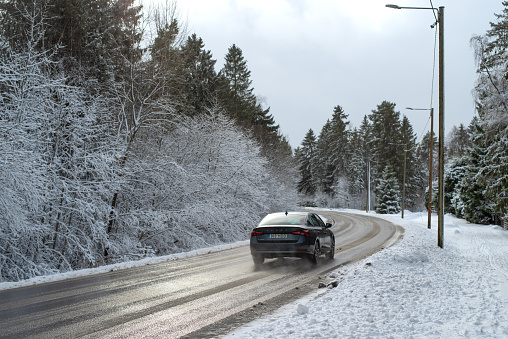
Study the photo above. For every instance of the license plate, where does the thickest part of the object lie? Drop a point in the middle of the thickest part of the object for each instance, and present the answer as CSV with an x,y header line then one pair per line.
x,y
277,236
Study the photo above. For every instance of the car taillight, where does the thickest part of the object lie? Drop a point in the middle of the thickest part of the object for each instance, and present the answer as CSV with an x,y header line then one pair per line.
x,y
254,233
302,232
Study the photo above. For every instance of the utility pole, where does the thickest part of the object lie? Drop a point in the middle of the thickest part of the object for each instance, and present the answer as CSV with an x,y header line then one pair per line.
x,y
430,165
404,184
368,186
440,223
440,197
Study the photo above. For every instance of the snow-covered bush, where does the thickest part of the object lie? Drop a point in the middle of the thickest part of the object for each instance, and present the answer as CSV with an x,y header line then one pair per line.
x,y
199,183
56,163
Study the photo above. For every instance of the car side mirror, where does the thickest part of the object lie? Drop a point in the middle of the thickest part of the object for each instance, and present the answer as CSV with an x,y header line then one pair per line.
x,y
328,225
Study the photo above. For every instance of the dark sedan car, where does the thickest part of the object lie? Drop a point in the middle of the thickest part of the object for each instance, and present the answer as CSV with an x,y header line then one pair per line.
x,y
292,234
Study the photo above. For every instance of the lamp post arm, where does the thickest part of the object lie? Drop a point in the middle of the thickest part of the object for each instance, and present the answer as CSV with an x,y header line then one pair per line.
x,y
401,7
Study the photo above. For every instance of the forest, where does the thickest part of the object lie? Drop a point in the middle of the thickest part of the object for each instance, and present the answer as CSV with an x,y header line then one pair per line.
x,y
334,165
120,140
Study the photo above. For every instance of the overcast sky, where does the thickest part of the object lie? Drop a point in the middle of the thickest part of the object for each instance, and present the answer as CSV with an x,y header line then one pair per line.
x,y
307,56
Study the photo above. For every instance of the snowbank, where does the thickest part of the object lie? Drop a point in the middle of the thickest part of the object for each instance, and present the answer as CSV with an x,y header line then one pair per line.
x,y
115,267
412,290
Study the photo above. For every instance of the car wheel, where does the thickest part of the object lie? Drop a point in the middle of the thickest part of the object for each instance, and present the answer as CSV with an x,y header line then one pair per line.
x,y
258,259
331,254
314,257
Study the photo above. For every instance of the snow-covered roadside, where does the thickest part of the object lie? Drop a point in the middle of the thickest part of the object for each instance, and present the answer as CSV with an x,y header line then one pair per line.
x,y
411,290
115,267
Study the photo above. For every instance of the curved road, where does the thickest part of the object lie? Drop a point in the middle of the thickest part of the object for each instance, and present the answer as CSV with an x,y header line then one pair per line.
x,y
197,297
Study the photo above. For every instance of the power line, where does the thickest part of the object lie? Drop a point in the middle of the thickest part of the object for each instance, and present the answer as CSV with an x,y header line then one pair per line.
x,y
431,5
433,73
433,69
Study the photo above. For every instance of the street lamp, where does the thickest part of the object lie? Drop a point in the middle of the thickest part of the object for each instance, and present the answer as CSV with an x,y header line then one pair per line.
x,y
430,157
440,198
399,7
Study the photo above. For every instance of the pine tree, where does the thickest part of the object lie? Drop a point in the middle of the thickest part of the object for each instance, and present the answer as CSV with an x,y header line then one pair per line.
x,y
305,155
163,75
265,130
458,141
339,136
200,82
415,170
356,170
491,134
324,168
456,171
388,192
475,205
386,138
366,135
495,51
96,35
493,172
239,99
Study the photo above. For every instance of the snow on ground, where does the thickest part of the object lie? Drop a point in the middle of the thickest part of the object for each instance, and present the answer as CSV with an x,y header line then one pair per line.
x,y
411,290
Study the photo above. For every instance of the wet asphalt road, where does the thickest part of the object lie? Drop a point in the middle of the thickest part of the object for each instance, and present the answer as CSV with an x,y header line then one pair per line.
x,y
197,297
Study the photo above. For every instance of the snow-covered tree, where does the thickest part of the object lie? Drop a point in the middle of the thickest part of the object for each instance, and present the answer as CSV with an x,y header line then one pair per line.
x,y
238,92
416,175
57,156
322,162
475,206
491,93
305,157
388,192
188,181
386,138
458,141
339,138
457,181
357,171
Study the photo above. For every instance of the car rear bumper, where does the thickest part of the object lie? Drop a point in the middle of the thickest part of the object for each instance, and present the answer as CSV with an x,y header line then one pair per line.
x,y
281,250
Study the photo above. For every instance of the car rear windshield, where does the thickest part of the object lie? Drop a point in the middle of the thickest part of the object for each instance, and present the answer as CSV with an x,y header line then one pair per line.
x,y
282,219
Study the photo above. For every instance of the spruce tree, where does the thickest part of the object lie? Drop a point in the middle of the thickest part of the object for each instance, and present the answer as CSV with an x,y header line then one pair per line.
x,y
265,130
456,173
367,156
324,168
386,138
416,176
388,192
239,99
495,51
458,141
305,157
339,135
200,80
357,169
475,205
491,135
